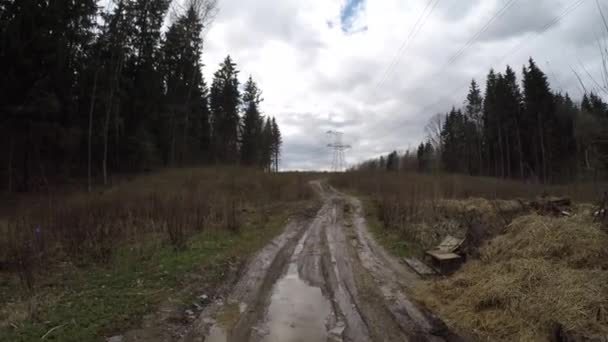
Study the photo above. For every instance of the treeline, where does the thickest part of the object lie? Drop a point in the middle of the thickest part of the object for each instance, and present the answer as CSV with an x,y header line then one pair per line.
x,y
513,130
88,91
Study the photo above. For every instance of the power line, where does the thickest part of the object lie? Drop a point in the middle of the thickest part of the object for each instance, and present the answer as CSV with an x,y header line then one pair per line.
x,y
414,31
481,31
543,30
498,14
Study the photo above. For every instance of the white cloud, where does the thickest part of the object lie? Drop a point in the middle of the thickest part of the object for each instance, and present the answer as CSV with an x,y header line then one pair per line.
x,y
316,77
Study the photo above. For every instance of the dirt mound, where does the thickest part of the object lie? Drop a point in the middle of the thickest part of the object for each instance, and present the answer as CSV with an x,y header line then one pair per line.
x,y
542,272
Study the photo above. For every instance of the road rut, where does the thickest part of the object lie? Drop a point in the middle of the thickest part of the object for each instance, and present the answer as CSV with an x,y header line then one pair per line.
x,y
323,279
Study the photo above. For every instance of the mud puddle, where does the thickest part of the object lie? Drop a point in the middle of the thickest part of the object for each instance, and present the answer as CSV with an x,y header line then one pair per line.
x,y
324,279
297,311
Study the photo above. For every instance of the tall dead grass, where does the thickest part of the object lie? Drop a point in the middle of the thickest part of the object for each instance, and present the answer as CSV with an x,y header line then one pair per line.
x,y
542,272
82,228
424,208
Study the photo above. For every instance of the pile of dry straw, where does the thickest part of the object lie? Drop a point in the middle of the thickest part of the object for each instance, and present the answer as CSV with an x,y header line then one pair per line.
x,y
540,272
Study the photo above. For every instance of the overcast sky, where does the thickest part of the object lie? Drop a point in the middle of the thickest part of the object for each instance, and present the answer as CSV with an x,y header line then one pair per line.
x,y
325,64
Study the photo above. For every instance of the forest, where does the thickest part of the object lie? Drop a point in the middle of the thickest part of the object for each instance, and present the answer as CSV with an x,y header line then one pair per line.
x,y
513,129
89,92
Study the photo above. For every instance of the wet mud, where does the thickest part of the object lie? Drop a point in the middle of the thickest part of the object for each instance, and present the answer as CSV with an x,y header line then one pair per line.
x,y
323,279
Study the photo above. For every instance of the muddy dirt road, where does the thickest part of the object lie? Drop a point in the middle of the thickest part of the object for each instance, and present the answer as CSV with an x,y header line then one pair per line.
x,y
323,279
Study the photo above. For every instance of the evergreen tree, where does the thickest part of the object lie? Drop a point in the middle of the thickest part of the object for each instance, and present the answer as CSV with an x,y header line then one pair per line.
x,y
267,142
392,161
517,133
224,105
251,136
453,142
277,142
184,125
145,89
43,54
539,113
474,116
512,104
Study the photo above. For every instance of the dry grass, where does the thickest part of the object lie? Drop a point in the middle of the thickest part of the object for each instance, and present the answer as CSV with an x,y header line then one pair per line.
x,y
530,274
542,271
424,208
170,206
99,262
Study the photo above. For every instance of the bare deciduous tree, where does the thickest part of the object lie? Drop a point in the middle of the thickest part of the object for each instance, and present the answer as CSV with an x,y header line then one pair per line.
x,y
433,130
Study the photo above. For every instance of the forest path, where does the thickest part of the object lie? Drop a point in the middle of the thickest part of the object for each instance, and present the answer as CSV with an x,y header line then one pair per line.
x,y
324,278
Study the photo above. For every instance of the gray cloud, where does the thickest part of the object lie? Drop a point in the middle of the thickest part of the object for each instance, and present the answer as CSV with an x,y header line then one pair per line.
x,y
315,77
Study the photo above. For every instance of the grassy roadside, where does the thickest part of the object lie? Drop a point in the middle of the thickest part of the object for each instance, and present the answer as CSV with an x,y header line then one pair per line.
x,y
87,304
530,275
391,239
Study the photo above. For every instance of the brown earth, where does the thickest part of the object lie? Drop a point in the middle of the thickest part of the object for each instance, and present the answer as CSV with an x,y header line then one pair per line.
x,y
323,279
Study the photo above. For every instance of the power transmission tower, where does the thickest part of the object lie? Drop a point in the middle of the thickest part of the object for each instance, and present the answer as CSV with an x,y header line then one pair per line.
x,y
338,163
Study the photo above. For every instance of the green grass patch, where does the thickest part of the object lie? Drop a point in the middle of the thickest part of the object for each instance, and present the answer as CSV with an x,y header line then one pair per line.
x,y
390,238
88,303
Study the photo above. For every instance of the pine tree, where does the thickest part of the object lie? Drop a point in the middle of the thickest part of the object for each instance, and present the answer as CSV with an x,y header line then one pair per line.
x,y
251,136
277,142
539,110
43,57
392,161
185,121
145,90
512,104
474,115
267,142
224,105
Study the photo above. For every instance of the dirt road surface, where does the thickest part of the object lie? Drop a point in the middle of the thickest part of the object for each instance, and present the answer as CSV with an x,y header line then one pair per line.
x,y
323,279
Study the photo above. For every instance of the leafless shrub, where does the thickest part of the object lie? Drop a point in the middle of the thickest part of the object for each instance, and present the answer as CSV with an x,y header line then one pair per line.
x,y
172,206
176,224
21,255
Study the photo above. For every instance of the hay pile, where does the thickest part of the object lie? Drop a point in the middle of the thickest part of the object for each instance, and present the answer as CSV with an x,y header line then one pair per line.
x,y
543,271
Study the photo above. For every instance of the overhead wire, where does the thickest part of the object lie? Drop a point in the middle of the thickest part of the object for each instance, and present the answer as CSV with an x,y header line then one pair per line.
x,y
481,31
413,33
554,21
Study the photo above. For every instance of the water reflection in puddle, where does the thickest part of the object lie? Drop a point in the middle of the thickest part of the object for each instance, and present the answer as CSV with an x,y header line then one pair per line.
x,y
297,311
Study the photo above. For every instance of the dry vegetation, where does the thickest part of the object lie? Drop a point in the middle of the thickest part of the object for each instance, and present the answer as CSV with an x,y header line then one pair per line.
x,y
543,272
179,217
529,276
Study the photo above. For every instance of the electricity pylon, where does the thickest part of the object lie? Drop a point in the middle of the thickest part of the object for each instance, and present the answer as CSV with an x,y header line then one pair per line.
x,y
338,163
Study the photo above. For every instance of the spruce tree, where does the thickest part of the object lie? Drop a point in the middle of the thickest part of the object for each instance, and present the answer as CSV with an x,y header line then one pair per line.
x,y
473,114
539,110
224,104
267,141
184,123
277,142
251,135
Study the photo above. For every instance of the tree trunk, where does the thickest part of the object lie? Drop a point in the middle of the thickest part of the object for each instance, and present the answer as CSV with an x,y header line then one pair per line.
x,y
521,155
106,128
542,149
10,164
172,148
501,154
480,154
508,150
93,96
